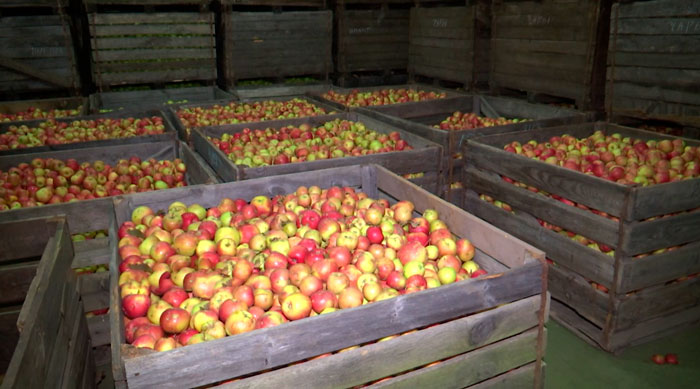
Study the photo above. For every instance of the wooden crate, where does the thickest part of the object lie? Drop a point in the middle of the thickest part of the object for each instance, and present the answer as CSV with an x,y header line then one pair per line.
x,y
491,310
184,130
653,67
35,3
424,158
151,47
13,107
53,344
428,88
38,55
444,42
97,218
419,118
168,134
276,44
552,48
371,36
154,98
643,302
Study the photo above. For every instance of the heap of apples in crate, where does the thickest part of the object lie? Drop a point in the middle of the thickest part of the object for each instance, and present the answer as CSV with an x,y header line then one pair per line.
x,y
189,274
333,139
54,181
247,112
469,120
53,132
33,113
356,98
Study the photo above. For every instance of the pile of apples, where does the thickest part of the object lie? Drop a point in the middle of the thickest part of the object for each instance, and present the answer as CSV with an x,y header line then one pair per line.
x,y
381,97
191,274
53,132
624,160
247,112
675,131
54,181
469,120
33,113
334,139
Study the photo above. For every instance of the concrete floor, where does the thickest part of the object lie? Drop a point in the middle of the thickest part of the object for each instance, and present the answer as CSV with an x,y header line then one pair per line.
x,y
573,363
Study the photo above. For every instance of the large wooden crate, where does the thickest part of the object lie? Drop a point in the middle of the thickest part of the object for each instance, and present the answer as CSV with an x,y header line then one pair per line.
x,y
154,98
371,36
422,87
62,103
490,325
444,42
53,346
38,55
653,67
152,47
419,118
644,301
168,134
93,215
266,44
551,48
425,157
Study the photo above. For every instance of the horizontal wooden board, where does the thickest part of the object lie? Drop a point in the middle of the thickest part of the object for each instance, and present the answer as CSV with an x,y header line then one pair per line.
x,y
576,323
684,79
521,377
657,44
145,54
657,26
156,76
563,33
655,60
623,89
375,360
130,18
659,8
559,88
151,29
119,67
15,280
659,268
539,46
655,109
152,42
578,294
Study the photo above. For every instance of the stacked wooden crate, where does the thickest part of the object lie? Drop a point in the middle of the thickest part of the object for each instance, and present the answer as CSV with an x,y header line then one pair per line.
x,y
155,46
38,53
648,287
447,41
653,66
371,41
262,40
551,48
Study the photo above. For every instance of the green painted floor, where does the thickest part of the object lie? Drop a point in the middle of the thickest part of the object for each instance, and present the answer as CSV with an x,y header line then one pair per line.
x,y
573,363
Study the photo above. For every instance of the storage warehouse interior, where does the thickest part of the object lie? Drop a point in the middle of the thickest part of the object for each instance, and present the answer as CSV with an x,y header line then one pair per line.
x,y
350,193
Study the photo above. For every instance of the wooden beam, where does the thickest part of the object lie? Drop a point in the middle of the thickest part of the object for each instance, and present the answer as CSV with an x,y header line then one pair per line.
x,y
31,72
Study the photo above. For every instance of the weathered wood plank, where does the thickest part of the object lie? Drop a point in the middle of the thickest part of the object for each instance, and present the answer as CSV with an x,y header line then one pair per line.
x,y
578,294
664,199
98,326
539,46
91,252
659,8
79,347
25,236
661,94
672,78
152,42
655,60
589,263
9,335
654,269
170,18
15,280
657,302
646,236
151,29
171,53
375,360
570,218
575,323
466,369
71,314
521,377
156,76
657,26
552,87
657,44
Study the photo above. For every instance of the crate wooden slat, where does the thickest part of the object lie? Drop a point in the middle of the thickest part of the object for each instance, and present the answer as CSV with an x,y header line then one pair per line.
x,y
424,158
157,98
168,134
97,218
550,48
53,338
270,45
181,47
653,63
419,117
280,3
518,287
38,54
631,311
35,3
